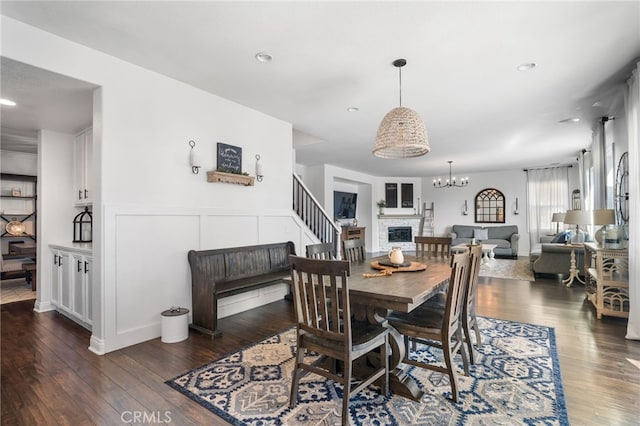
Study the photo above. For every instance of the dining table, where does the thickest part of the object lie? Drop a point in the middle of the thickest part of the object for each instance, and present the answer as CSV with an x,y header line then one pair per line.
x,y
375,291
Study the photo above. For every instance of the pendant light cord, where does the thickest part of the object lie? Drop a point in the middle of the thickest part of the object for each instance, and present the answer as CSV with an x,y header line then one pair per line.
x,y
400,79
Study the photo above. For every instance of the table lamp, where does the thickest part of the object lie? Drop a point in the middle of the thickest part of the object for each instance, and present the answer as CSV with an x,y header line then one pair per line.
x,y
557,218
603,217
577,217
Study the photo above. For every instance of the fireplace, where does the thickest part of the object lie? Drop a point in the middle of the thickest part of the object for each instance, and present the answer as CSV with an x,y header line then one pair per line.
x,y
399,234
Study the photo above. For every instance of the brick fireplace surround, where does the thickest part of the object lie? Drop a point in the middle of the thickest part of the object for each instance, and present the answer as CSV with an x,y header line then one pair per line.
x,y
387,221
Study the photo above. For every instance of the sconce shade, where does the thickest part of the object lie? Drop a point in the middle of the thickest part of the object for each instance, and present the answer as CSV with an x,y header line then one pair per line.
x,y
401,134
604,217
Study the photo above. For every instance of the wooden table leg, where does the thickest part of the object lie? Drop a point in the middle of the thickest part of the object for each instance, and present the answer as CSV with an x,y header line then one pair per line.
x,y
400,383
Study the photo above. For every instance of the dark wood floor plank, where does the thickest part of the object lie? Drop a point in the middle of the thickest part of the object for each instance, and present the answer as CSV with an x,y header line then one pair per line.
x,y
49,376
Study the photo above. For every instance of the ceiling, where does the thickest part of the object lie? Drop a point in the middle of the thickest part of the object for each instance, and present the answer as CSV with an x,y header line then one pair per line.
x,y
461,74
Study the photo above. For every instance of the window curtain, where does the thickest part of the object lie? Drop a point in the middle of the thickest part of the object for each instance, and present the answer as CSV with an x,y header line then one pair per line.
x,y
632,112
598,158
547,193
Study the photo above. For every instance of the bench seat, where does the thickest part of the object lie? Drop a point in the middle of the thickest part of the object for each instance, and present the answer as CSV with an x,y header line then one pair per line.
x,y
228,271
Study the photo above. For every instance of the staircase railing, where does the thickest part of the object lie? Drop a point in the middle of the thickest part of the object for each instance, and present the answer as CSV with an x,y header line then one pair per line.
x,y
313,215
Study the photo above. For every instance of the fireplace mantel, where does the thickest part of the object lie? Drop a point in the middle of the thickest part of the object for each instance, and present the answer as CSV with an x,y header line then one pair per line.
x,y
398,216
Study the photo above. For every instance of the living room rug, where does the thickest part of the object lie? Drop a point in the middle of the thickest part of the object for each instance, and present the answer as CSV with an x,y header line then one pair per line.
x,y
516,380
515,269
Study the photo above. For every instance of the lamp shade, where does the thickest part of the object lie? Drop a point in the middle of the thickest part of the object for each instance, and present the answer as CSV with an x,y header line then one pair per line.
x,y
604,217
401,134
557,217
577,217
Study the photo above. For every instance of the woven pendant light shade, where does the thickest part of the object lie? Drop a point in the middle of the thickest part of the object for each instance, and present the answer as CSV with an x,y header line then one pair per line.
x,y
401,134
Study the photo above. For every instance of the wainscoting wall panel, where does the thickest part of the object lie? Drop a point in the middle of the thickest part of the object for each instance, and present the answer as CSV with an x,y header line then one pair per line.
x,y
146,269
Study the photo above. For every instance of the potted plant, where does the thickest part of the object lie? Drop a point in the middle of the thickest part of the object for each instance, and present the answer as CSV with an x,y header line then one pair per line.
x,y
381,205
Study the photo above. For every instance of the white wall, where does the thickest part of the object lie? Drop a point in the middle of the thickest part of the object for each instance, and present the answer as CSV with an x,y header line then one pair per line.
x,y
449,202
141,153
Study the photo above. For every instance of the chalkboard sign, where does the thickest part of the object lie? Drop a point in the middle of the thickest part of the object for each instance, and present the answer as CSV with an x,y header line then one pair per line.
x,y
229,158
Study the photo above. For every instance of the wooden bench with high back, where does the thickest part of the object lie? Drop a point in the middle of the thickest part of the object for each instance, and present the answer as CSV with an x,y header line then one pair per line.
x,y
224,272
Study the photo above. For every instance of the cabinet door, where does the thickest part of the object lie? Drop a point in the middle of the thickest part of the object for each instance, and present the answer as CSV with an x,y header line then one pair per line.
x,y
79,303
82,160
88,283
66,281
88,166
78,165
55,278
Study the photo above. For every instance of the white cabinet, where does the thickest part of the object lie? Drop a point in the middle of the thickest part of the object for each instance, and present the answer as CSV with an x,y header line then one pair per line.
x,y
82,161
71,284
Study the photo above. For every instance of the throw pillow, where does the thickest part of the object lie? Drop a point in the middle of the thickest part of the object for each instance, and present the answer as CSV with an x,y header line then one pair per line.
x,y
480,234
561,237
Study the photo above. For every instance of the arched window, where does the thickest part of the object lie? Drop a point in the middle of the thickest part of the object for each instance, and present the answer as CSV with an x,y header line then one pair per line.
x,y
489,206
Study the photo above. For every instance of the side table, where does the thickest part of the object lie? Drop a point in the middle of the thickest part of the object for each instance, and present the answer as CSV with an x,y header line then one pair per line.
x,y
573,270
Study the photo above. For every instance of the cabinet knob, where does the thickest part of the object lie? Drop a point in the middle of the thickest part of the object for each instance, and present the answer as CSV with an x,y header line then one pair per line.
x,y
55,259
79,265
79,194
86,194
86,267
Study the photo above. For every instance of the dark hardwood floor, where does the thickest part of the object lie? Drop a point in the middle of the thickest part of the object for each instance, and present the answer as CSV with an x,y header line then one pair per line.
x,y
50,377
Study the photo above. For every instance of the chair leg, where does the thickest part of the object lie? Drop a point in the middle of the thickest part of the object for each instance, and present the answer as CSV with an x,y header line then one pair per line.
x,y
463,351
295,378
384,356
477,330
467,341
451,371
346,394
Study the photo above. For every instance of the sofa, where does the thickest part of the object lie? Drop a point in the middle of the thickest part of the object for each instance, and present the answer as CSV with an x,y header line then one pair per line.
x,y
555,258
551,256
505,237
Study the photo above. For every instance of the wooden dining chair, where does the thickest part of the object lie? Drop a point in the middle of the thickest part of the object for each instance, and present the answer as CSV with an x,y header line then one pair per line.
x,y
469,319
354,250
323,251
435,246
325,327
443,330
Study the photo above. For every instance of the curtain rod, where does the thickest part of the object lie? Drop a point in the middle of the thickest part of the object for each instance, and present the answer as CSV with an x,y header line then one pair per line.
x,y
545,168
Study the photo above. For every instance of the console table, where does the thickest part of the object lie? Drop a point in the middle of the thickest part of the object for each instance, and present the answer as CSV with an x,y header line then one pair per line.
x,y
607,280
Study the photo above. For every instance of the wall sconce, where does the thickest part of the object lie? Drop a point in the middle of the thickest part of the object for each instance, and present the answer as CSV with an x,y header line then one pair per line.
x,y
516,210
259,174
194,160
466,209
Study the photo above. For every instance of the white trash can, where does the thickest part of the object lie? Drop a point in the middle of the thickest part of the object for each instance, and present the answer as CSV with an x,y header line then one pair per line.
x,y
174,325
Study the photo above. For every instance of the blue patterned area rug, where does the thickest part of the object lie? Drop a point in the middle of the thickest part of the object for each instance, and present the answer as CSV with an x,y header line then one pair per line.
x,y
516,381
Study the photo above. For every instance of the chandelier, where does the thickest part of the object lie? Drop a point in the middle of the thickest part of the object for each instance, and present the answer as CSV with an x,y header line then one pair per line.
x,y
402,133
437,183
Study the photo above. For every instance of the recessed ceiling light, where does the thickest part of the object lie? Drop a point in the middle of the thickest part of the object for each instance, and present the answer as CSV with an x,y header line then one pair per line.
x,y
353,109
7,102
527,66
570,120
263,57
